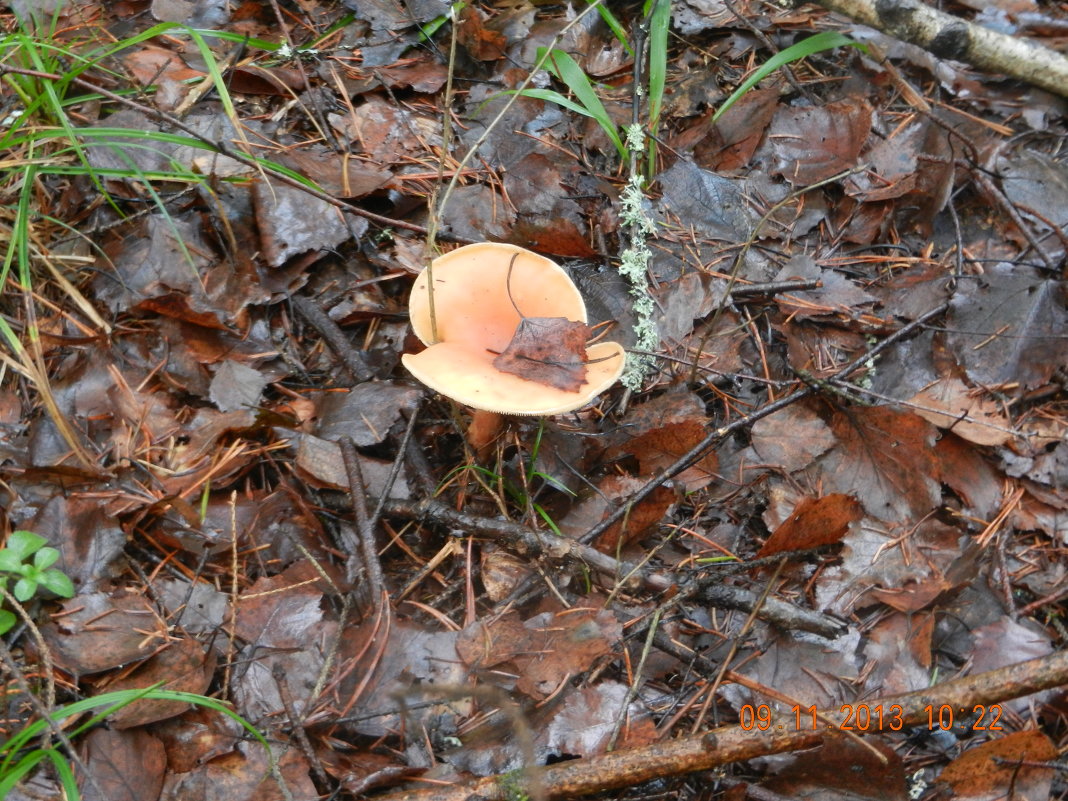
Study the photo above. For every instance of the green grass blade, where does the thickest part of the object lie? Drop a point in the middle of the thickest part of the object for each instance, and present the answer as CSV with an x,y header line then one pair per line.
x,y
217,79
659,26
552,96
614,25
567,70
828,40
11,776
65,774
548,520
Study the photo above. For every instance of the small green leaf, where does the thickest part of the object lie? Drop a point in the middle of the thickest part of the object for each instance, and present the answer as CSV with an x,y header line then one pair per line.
x,y
24,543
58,582
24,589
46,557
7,621
10,562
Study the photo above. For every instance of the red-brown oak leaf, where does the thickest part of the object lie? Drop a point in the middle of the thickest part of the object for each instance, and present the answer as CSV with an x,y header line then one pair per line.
x,y
548,350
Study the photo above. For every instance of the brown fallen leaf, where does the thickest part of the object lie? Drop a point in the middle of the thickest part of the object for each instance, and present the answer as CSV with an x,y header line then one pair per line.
x,y
125,765
483,44
595,508
948,400
183,666
992,770
548,350
659,431
814,522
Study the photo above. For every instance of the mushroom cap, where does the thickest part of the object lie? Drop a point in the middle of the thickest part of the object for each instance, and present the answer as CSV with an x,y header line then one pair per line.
x,y
475,306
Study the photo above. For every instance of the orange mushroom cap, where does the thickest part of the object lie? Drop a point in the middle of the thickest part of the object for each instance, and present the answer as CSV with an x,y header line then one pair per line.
x,y
475,305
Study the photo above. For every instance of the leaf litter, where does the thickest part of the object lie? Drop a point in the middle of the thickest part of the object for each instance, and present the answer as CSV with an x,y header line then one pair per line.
x,y
919,500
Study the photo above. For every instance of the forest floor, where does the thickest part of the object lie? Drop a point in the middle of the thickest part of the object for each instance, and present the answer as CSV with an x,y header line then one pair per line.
x,y
802,556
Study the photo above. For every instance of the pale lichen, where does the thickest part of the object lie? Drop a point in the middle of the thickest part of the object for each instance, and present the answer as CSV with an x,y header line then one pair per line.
x,y
634,266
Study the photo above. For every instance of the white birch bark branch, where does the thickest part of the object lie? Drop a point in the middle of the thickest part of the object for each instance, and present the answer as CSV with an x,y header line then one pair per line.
x,y
950,37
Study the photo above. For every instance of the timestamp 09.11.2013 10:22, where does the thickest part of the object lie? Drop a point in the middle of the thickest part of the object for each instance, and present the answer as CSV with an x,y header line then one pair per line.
x,y
869,718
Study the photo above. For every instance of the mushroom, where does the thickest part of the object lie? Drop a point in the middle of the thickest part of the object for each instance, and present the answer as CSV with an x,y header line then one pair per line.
x,y
481,294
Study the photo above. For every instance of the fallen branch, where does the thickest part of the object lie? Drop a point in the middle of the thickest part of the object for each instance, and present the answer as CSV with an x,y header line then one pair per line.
x,y
729,744
533,544
953,38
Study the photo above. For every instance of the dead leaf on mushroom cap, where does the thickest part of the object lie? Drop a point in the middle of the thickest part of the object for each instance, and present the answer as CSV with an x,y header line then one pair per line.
x,y
549,350
482,293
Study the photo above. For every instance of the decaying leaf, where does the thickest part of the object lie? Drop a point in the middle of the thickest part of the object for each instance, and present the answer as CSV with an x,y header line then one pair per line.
x,y
1007,327
876,462
544,650
548,350
660,431
103,631
1004,766
125,765
183,666
814,522
949,401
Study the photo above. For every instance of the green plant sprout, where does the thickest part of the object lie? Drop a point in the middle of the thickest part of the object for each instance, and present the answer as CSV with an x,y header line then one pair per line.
x,y
519,495
565,69
828,40
27,559
17,759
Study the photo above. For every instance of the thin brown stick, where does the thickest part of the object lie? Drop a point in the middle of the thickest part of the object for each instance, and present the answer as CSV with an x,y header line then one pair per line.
x,y
368,549
351,359
533,544
296,723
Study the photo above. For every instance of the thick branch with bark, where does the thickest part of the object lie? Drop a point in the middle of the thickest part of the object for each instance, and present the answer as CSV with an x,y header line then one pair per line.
x,y
950,37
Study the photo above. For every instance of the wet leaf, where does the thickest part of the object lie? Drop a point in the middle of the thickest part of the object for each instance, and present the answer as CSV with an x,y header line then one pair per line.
x,y
979,774
236,386
844,768
126,765
586,723
101,632
876,460
810,144
660,431
715,203
243,775
1008,327
543,650
389,670
198,736
290,222
182,666
640,519
815,522
320,460
363,771
949,400
548,350
566,644
367,413
791,438
480,41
